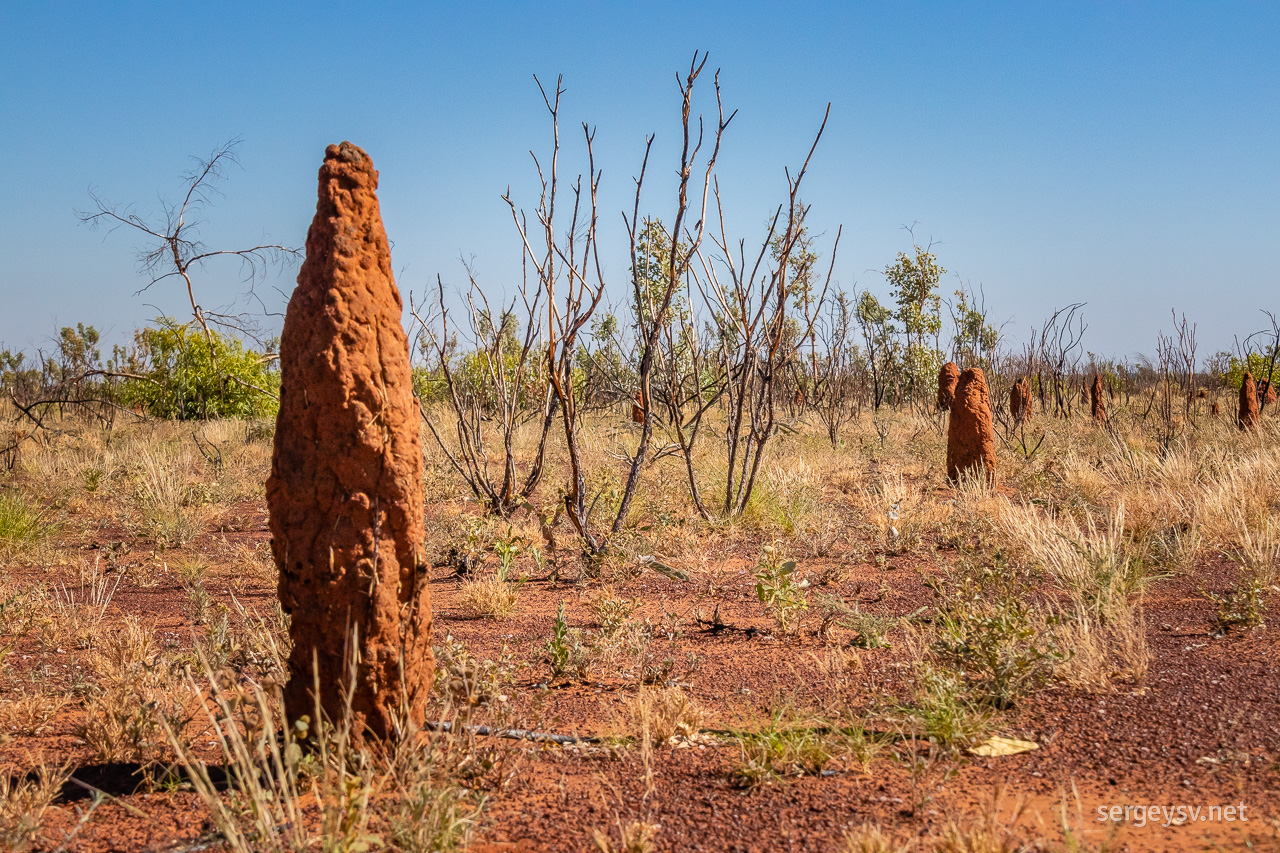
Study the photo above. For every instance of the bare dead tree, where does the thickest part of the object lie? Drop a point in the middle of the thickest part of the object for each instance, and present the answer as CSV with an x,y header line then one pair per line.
x,y
506,385
1175,380
692,382
565,262
1265,346
756,332
1056,348
652,308
173,246
835,380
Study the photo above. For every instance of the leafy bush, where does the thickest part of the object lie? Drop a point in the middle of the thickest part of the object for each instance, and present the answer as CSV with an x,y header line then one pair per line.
x,y
1259,364
180,372
782,595
1002,645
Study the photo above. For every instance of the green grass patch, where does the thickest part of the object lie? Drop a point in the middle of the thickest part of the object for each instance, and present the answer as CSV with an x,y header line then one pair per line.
x,y
19,523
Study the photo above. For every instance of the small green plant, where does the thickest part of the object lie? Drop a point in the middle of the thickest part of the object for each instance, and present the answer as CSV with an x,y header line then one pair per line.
x,y
776,587
1242,607
941,710
612,610
869,629
507,549
565,653
201,606
780,753
19,523
1001,645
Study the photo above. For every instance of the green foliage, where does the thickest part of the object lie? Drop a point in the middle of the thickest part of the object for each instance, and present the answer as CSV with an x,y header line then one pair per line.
x,y
782,595
869,629
975,338
942,710
1242,607
71,371
915,284
1259,364
19,523
996,640
914,279
782,752
879,338
652,272
184,374
508,548
565,653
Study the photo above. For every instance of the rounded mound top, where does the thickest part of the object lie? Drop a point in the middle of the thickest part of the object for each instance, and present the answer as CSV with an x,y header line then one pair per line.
x,y
347,152
349,162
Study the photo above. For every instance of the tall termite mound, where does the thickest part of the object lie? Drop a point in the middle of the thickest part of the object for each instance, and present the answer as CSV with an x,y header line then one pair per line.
x,y
345,491
1248,415
1020,401
971,439
948,376
1266,393
1095,399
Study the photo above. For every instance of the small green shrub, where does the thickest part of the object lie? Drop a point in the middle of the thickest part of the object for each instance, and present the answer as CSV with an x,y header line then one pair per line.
x,y
780,753
182,373
782,595
1242,607
1001,645
566,654
942,711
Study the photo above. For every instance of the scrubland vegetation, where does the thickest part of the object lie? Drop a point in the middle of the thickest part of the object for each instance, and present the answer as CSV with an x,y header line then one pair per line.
x,y
860,620
700,580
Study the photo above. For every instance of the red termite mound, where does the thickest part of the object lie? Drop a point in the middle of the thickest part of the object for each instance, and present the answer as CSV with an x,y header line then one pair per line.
x,y
948,376
971,439
345,492
1266,393
1020,401
1214,410
637,409
1095,399
1248,415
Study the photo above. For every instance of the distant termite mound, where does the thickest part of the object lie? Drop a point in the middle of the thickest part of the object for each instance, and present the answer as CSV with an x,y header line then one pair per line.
x,y
345,492
1266,393
1020,401
1248,415
1095,400
637,409
971,447
948,376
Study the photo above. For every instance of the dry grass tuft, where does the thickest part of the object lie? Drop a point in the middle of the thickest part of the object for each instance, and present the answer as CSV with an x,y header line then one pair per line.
x,y
24,802
488,597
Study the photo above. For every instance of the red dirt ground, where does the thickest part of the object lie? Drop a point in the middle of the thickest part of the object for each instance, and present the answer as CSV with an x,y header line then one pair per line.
x,y
1202,728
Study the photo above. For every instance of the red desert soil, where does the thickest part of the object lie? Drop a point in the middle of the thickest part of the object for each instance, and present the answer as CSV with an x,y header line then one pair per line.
x,y
1202,728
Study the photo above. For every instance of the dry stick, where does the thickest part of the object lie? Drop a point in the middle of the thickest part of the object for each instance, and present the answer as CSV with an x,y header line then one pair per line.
x,y
513,734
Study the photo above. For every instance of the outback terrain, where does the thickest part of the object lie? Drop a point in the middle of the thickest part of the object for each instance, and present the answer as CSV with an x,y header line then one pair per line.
x,y
823,671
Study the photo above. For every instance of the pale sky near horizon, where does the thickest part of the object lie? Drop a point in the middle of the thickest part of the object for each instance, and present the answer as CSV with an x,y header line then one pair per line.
x,y
1122,154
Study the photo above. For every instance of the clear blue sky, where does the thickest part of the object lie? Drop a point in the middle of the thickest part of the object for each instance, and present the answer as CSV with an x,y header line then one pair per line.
x,y
1119,153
